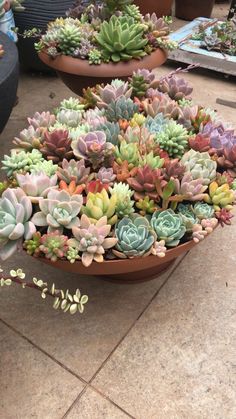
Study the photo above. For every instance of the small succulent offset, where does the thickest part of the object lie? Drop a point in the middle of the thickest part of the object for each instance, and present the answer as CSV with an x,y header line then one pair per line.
x,y
135,237
91,239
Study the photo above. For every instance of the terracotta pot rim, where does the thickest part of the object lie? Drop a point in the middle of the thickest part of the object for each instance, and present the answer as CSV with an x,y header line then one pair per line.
x,y
77,66
121,266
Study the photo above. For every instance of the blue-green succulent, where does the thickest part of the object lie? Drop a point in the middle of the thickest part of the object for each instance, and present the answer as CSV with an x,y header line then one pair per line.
x,y
168,227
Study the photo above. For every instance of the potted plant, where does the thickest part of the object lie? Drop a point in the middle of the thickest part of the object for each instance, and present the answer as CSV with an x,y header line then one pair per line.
x,y
9,75
104,40
37,14
160,7
120,181
7,23
190,9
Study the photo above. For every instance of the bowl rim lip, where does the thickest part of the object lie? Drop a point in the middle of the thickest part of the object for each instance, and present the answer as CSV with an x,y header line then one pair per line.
x,y
79,67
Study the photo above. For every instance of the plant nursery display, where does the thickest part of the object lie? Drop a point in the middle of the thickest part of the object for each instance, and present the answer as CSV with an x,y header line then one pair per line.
x,y
121,180
220,37
104,40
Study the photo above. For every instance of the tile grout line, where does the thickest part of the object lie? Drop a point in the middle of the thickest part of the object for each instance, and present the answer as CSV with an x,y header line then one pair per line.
x,y
44,352
135,321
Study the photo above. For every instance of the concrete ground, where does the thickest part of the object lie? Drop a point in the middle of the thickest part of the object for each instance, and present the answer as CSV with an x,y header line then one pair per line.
x,y
164,349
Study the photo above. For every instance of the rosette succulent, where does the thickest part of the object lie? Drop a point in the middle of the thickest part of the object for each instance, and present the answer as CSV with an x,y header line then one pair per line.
x,y
36,185
58,211
121,108
54,245
160,103
111,92
91,239
15,224
174,139
29,138
135,237
177,88
73,170
188,215
124,203
99,205
57,146
144,183
200,165
203,211
190,189
220,196
92,147
42,120
168,226
127,152
21,161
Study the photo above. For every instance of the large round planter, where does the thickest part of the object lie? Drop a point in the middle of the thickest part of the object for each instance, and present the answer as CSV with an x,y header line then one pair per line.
x,y
126,270
191,9
160,7
37,13
78,74
9,75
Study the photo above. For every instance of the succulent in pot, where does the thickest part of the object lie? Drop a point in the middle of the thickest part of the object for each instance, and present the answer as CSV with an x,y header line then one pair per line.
x,y
138,185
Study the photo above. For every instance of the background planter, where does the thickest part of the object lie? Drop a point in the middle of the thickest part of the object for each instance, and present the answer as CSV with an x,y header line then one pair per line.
x,y
190,9
9,74
160,7
37,14
126,270
7,23
78,74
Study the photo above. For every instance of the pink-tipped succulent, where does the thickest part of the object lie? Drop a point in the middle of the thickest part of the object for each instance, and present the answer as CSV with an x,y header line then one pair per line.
x,y
36,185
95,186
111,92
228,160
91,239
200,143
54,245
177,88
106,176
161,104
42,120
224,216
29,138
57,145
159,249
93,147
144,183
191,189
73,170
173,169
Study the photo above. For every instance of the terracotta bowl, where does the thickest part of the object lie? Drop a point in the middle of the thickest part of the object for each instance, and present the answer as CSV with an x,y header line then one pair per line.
x,y
78,74
126,270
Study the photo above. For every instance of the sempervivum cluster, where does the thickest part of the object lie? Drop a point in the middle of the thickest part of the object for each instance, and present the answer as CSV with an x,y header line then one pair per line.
x,y
112,31
139,171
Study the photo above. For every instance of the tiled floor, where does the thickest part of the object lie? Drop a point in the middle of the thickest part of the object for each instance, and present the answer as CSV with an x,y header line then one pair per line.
x,y
164,349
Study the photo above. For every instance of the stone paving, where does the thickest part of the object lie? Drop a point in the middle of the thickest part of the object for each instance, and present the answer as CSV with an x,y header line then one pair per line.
x,y
164,349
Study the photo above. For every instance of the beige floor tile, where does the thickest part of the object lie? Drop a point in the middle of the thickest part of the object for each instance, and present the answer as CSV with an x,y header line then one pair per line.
x,y
93,406
178,362
87,339
32,385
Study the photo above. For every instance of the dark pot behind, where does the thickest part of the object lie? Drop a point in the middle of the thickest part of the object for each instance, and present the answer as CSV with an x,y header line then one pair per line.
x,y
191,9
9,75
160,7
38,13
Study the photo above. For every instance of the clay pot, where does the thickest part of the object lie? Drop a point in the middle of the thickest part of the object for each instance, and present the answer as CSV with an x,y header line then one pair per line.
x,y
126,270
160,7
37,14
191,9
9,75
78,74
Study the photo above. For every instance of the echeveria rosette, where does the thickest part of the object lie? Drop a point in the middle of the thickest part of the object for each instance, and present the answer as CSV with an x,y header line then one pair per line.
x,y
36,185
168,226
124,204
200,165
99,205
92,147
21,161
15,221
220,137
73,171
111,92
188,216
60,210
135,237
203,211
91,239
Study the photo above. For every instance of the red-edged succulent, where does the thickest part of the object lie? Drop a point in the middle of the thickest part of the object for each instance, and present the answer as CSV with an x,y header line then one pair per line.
x,y
144,183
57,146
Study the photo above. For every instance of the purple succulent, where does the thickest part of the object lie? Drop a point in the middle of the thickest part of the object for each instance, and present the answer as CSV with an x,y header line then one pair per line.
x,y
220,137
148,76
44,119
112,92
95,117
177,88
106,175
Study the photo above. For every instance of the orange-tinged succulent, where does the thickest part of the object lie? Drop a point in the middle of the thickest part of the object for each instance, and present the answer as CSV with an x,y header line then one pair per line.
x,y
72,188
124,124
123,172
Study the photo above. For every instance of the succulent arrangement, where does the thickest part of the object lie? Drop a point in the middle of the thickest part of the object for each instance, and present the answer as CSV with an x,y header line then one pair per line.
x,y
130,170
220,37
106,31
5,5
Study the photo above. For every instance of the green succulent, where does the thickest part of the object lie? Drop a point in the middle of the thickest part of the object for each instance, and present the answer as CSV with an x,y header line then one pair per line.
x,y
173,139
112,130
139,85
124,204
68,37
121,39
45,166
188,216
95,56
32,245
133,11
146,206
21,161
168,227
154,162
72,255
203,210
121,108
71,104
116,5
54,245
99,205
127,152
135,237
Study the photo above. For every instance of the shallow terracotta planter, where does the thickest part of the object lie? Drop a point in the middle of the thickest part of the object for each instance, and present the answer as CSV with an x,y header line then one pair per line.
x,y
126,270
191,9
160,7
78,74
